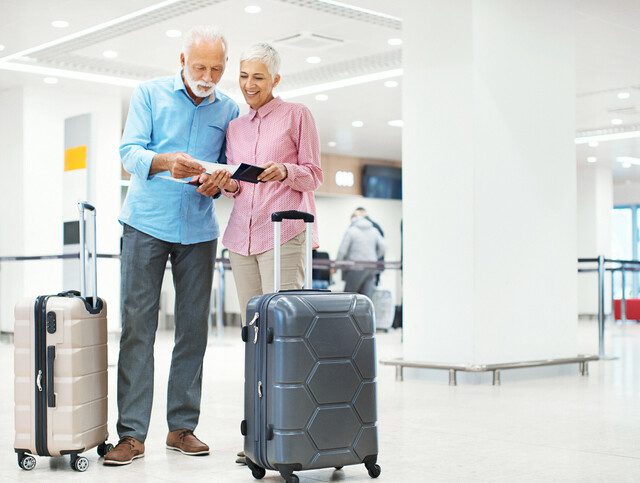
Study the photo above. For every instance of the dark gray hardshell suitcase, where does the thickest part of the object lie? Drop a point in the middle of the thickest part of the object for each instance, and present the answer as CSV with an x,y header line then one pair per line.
x,y
310,379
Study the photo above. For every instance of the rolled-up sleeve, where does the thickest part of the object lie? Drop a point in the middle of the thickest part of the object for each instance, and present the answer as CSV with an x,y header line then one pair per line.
x,y
306,175
136,158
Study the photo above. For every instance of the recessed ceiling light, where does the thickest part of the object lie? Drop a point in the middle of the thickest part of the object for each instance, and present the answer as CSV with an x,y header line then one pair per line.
x,y
173,33
594,144
322,97
591,159
357,123
60,24
396,123
624,95
110,54
626,165
252,9
616,122
391,83
314,60
332,144
50,80
394,41
1,47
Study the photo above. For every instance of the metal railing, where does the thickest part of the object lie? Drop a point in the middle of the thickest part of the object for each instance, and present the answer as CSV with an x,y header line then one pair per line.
x,y
222,265
603,265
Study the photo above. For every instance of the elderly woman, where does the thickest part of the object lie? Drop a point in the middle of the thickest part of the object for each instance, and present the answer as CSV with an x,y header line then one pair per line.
x,y
281,137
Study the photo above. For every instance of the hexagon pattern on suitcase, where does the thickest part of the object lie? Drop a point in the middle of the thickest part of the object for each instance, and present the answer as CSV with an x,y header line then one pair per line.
x,y
322,403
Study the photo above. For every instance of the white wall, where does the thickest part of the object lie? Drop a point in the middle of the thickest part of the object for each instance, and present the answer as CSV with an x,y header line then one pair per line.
x,y
37,192
595,202
489,181
626,193
11,189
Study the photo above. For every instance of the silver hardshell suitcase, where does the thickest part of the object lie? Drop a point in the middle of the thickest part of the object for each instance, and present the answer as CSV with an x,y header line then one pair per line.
x,y
310,376
61,371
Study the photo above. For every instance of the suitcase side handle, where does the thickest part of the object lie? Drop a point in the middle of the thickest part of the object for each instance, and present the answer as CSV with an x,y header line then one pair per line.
x,y
277,218
82,206
51,395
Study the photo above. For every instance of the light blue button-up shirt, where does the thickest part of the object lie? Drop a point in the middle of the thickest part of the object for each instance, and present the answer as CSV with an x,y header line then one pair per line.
x,y
164,119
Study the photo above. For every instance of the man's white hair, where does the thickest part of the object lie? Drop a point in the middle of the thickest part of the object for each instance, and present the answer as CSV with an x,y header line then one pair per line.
x,y
264,53
207,33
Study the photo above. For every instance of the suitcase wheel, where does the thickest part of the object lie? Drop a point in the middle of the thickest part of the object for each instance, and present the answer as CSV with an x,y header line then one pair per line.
x,y
258,472
374,470
79,463
292,479
338,467
104,448
26,462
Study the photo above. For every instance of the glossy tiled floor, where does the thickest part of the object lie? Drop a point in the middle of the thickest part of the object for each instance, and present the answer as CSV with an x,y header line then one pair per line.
x,y
562,428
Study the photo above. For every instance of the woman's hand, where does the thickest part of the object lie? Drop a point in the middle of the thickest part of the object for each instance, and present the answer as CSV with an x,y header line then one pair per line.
x,y
273,172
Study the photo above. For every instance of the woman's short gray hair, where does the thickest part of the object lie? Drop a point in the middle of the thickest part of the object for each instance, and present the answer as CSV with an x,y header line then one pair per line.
x,y
264,53
209,33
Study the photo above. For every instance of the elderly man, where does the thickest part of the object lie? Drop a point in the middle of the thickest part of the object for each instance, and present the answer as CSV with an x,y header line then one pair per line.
x,y
172,122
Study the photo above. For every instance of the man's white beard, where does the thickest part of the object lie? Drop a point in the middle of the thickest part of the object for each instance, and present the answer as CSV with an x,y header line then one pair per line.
x,y
199,88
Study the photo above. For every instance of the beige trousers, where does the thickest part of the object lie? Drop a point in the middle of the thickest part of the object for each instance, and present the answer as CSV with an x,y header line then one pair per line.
x,y
254,273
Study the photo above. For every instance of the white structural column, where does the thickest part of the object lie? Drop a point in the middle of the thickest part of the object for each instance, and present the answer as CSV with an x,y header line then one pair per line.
x,y
489,179
595,202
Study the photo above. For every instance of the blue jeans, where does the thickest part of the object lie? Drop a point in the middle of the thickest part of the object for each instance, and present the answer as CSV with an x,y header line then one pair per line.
x,y
143,263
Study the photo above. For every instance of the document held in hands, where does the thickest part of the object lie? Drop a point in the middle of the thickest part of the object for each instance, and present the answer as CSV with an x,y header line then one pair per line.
x,y
240,172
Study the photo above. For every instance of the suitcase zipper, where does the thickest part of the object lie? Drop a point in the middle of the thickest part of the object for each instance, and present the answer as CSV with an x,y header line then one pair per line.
x,y
40,313
261,376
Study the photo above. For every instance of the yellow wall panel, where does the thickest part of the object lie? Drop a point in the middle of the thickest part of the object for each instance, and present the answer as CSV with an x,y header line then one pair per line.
x,y
75,158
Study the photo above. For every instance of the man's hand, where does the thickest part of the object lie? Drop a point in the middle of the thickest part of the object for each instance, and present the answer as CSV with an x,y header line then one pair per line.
x,y
207,187
273,172
183,166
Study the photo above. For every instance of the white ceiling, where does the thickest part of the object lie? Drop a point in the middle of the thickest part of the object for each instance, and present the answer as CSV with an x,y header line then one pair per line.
x,y
607,61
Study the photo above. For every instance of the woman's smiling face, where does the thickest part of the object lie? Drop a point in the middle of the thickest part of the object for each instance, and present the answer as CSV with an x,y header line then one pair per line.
x,y
257,83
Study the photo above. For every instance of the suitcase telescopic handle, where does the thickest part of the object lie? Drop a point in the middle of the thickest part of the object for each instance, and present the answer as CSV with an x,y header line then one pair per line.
x,y
277,219
82,207
292,215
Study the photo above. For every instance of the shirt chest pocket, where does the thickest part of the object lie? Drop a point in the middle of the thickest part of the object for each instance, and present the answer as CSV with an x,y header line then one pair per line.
x,y
212,141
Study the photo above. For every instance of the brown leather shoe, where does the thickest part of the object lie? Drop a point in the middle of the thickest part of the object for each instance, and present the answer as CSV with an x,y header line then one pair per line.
x,y
127,450
185,441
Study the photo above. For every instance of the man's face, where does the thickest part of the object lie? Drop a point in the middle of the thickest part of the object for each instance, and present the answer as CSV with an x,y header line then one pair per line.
x,y
204,66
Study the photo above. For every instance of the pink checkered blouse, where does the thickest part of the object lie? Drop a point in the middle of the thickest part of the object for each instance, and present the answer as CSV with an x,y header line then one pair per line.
x,y
282,132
